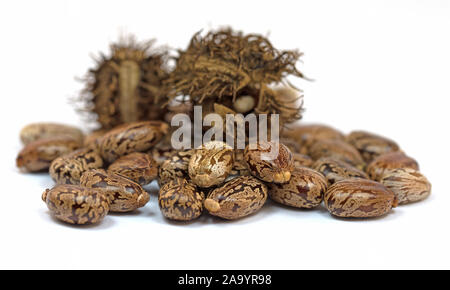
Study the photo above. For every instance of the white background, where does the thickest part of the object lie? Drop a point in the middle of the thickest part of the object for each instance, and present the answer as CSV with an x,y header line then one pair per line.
x,y
382,66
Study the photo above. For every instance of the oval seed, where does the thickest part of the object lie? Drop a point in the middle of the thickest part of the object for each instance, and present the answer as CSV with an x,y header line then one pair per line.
x,y
336,170
337,149
237,198
67,169
305,189
139,167
371,145
360,198
388,161
124,194
75,204
38,131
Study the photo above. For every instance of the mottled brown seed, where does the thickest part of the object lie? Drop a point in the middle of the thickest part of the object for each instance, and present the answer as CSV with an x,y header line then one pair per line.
x,y
302,160
392,160
237,198
337,149
307,135
211,163
305,189
38,131
132,137
162,152
408,185
123,194
180,200
276,170
371,145
292,144
38,155
359,198
139,167
75,204
93,139
68,168
175,166
335,170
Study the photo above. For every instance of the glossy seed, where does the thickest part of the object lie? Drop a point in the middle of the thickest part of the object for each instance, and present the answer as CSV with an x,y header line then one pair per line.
x,y
371,145
137,166
38,131
336,170
337,149
392,160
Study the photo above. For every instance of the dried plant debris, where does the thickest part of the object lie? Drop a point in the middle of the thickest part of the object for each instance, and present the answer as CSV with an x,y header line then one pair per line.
x,y
228,67
124,86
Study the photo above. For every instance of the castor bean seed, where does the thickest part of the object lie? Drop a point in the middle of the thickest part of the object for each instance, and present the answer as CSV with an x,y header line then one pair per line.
x,y
359,198
124,194
392,160
38,131
75,204
139,167
371,145
277,170
408,185
305,189
335,170
68,168
211,163
302,160
307,135
38,155
337,149
180,200
132,137
237,198
93,139
175,166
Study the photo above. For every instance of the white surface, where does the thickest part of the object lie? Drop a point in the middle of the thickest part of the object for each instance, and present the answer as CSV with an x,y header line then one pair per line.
x,y
382,66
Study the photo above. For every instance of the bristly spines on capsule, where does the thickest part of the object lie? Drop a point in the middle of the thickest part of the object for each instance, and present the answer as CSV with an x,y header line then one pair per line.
x,y
124,86
225,64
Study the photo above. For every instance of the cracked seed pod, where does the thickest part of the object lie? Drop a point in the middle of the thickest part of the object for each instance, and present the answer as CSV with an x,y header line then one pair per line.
x,y
124,86
223,66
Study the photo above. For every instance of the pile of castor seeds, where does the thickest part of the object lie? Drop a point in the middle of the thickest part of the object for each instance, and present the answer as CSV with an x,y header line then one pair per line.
x,y
359,175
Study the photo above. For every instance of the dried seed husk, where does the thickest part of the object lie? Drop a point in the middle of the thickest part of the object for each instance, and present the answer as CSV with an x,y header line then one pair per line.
x,y
277,170
237,198
38,131
180,200
335,170
371,145
359,198
408,185
75,204
38,155
124,195
68,168
124,86
392,160
305,189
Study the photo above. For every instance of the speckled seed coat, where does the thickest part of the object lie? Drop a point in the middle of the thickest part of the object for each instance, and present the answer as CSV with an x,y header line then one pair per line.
x,y
408,185
337,149
180,200
133,137
67,169
302,160
237,198
38,131
175,166
359,198
38,155
388,161
336,170
307,135
305,189
211,164
371,145
277,170
124,194
75,204
139,167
